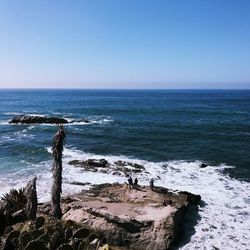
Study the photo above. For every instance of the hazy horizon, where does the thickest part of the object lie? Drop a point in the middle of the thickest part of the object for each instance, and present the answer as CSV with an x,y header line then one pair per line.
x,y
113,88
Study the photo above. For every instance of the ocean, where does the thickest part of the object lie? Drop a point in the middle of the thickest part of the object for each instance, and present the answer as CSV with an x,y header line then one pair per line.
x,y
170,132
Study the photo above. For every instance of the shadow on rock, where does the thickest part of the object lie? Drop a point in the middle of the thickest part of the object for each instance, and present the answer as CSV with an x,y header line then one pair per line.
x,y
189,226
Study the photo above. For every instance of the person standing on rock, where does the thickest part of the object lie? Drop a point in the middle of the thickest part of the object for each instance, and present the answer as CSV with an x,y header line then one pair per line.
x,y
130,182
151,183
136,183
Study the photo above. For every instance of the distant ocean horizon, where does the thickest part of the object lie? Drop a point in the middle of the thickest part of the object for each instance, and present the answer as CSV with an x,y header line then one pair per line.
x,y
171,132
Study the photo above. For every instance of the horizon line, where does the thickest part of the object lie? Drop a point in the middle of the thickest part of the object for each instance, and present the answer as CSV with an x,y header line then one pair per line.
x,y
66,88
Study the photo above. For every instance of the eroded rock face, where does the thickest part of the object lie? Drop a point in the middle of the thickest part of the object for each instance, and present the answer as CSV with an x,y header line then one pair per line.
x,y
27,119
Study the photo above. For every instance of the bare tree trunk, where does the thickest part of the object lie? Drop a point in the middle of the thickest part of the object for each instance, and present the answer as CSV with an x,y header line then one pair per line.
x,y
31,196
57,148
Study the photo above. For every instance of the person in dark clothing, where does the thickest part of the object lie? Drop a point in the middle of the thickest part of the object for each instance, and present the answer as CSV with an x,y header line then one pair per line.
x,y
151,183
136,182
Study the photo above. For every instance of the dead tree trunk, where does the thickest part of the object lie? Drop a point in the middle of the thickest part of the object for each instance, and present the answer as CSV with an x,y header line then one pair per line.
x,y
57,148
31,196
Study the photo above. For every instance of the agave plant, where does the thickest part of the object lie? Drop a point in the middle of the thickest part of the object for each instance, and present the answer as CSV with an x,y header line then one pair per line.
x,y
14,200
57,148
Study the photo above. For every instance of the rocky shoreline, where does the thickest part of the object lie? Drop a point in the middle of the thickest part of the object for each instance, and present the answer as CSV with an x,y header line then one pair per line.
x,y
127,218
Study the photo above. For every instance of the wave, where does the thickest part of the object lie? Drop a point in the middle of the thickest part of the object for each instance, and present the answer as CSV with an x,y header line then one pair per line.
x,y
225,218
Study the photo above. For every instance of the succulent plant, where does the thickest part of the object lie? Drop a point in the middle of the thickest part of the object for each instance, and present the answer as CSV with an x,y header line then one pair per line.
x,y
14,200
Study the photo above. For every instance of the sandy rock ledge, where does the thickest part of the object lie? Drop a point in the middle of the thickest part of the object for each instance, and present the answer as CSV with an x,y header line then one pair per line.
x,y
132,218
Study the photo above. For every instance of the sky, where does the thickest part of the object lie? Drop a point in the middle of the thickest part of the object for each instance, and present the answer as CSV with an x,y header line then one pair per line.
x,y
125,44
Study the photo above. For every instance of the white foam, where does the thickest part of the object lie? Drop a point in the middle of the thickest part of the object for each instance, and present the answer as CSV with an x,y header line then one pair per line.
x,y
35,114
225,220
4,187
11,113
4,122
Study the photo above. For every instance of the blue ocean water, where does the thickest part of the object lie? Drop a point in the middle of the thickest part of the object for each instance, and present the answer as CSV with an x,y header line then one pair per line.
x,y
156,125
170,132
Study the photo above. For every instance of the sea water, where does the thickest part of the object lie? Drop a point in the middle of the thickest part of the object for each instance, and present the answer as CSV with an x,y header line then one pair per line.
x,y
170,132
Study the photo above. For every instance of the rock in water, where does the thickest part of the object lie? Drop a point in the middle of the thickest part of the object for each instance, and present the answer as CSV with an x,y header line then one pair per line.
x,y
203,165
27,119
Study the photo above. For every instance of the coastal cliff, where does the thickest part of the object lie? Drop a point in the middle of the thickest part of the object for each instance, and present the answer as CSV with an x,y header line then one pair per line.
x,y
139,218
126,218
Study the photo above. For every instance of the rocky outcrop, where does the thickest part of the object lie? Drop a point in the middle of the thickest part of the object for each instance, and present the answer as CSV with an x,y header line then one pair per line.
x,y
36,119
26,119
112,214
103,166
132,218
29,119
203,165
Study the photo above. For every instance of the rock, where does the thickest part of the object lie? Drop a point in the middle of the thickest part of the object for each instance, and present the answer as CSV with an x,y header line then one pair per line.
x,y
81,233
133,165
129,218
103,166
90,164
203,165
29,119
192,198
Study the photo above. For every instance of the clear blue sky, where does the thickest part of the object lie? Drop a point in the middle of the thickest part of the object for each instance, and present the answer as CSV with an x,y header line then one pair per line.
x,y
125,43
